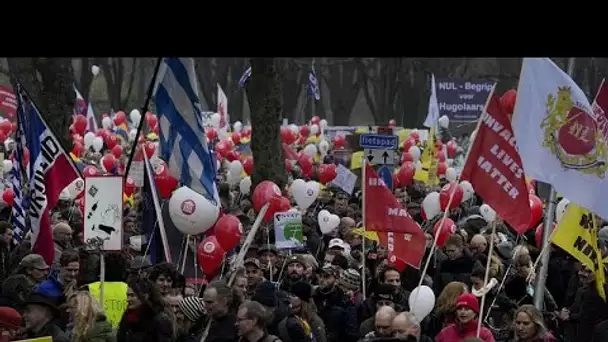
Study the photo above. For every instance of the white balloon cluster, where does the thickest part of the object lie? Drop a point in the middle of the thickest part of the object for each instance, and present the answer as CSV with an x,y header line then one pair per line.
x,y
444,121
487,213
235,169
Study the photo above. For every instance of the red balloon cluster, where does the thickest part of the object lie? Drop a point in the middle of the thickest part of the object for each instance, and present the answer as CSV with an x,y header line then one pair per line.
x,y
448,190
288,136
445,229
507,101
210,256
306,164
108,162
269,192
327,173
79,124
339,141
406,173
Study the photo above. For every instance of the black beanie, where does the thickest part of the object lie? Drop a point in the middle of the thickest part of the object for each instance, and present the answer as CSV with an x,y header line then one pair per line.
x,y
266,294
302,290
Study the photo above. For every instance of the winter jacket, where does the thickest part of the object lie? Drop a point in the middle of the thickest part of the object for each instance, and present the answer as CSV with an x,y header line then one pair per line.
x,y
588,310
454,270
291,330
100,332
547,337
223,329
144,325
459,332
338,314
48,330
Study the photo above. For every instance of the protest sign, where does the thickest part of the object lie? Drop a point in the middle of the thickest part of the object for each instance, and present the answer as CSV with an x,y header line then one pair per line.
x,y
103,211
288,230
345,179
462,100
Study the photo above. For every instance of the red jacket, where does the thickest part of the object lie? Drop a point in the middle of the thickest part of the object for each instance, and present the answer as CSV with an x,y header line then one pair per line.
x,y
458,332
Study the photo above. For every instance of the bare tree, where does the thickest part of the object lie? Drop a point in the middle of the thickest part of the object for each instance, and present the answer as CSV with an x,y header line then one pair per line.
x,y
294,77
264,91
84,77
119,73
344,84
380,82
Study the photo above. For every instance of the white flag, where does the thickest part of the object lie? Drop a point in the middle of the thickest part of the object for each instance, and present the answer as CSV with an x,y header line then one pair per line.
x,y
222,106
433,114
558,137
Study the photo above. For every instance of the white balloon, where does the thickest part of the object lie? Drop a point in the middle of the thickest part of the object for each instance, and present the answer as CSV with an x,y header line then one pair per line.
x,y
327,221
7,143
304,193
135,116
488,213
415,152
468,190
418,165
97,144
237,126
444,121
294,128
75,188
132,134
311,150
222,133
314,129
89,137
95,70
245,185
191,212
106,122
233,178
236,168
449,162
215,119
323,147
560,209
323,123
431,205
422,302
7,166
451,175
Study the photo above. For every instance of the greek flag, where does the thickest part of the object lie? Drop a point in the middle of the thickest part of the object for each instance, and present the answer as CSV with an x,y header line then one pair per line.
x,y
182,136
313,84
245,77
18,214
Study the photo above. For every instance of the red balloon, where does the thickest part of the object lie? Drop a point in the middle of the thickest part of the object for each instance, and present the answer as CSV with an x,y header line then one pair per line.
x,y
90,171
236,137
111,141
538,234
327,173
211,134
80,124
8,196
288,165
304,131
222,148
233,155
531,189
119,119
536,209
306,162
407,157
440,156
441,169
507,101
150,148
166,184
446,192
262,194
6,127
396,183
315,120
248,165
445,229
392,123
406,173
129,187
152,120
77,149
339,141
277,204
108,162
288,136
414,136
210,256
228,231
117,151
408,143
246,132
451,147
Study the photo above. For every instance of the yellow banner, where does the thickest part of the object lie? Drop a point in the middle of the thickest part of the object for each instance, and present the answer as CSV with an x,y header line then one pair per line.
x,y
368,235
114,299
428,174
39,339
577,234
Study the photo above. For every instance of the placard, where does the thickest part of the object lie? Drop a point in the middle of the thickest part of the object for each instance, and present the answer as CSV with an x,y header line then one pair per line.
x,y
288,230
103,211
345,179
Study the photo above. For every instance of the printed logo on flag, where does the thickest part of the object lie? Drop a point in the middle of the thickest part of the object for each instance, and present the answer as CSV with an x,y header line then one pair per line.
x,y
572,134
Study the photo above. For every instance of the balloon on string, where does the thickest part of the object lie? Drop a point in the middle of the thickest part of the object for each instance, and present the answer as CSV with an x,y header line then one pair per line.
x,y
451,149
108,162
487,213
406,173
430,206
560,209
315,120
248,165
327,221
310,149
287,136
422,302
132,134
129,187
306,163
117,151
77,149
191,212
236,137
449,190
245,185
408,143
445,228
323,124
415,152
111,141
210,256
444,121
228,231
304,193
97,144
120,118
536,210
80,123
314,129
406,157
135,116
338,141
90,171
165,184
8,196
441,169
233,156
440,156
152,120
222,148
469,192
323,147
262,194
451,175
106,122
327,173
211,134
235,167
278,204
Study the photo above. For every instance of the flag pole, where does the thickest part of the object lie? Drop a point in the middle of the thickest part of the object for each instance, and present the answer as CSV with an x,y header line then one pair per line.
x,y
541,278
144,110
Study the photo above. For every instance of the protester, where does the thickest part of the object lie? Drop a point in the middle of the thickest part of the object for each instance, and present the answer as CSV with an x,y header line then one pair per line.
x,y
39,316
467,312
87,320
10,323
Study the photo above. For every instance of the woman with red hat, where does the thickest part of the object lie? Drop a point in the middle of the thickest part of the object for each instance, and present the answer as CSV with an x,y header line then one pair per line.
x,y
467,310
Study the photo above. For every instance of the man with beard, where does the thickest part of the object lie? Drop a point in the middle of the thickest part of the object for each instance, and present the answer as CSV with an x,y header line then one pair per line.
x,y
334,307
254,275
296,272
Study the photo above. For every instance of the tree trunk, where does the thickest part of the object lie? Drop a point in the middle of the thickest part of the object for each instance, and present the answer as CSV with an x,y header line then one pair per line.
x,y
52,92
85,79
265,98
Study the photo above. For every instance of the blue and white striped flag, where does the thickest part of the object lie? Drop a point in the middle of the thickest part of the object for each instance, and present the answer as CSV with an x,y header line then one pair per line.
x,y
313,84
245,77
18,211
183,143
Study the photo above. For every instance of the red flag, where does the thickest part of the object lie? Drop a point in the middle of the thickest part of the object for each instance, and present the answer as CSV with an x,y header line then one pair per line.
x,y
495,170
8,101
600,108
396,229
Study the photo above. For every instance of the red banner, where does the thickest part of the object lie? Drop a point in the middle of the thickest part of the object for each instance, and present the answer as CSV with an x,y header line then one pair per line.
x,y
600,109
8,101
396,229
495,170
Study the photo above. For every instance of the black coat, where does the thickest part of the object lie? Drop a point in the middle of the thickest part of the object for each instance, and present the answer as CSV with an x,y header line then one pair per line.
x,y
338,314
147,326
454,270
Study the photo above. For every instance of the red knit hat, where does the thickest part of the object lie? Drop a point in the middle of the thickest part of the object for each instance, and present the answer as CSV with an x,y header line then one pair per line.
x,y
468,300
9,318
